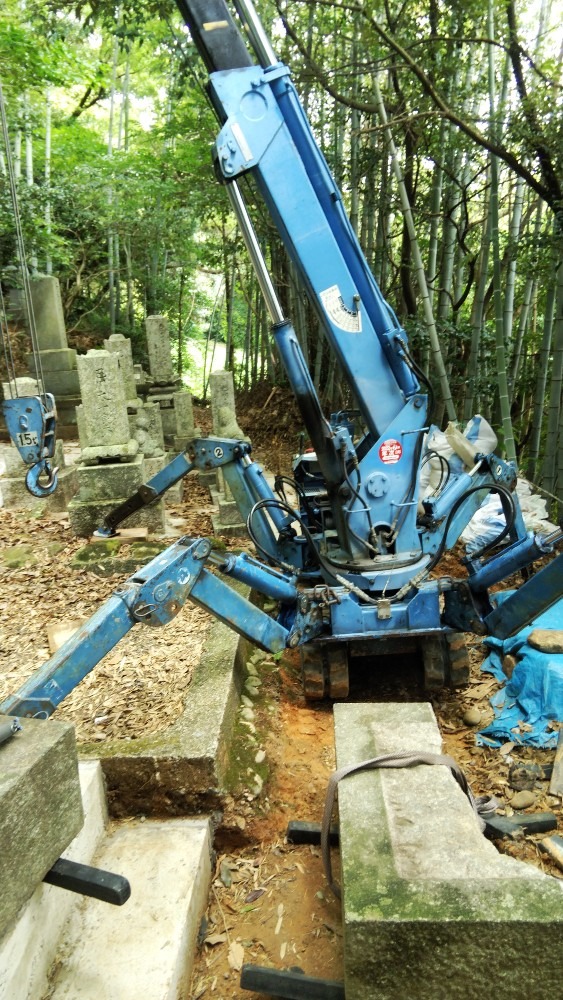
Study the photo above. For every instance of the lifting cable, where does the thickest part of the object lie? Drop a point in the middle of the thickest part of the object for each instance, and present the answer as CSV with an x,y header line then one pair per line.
x,y
26,285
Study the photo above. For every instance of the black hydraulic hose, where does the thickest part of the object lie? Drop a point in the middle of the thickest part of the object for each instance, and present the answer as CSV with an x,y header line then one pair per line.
x,y
443,464
503,491
300,493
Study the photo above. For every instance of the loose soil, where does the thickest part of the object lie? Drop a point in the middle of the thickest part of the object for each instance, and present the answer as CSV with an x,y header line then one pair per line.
x,y
269,902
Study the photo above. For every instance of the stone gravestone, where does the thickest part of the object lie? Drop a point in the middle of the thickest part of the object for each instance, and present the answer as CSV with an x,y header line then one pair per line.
x,y
112,465
58,360
165,382
184,412
222,392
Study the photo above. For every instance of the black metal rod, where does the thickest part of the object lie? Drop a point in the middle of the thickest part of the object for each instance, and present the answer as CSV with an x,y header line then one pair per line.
x,y
88,881
289,985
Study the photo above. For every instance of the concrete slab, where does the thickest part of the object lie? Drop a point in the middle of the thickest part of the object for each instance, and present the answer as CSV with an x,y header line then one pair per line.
x,y
40,808
29,948
182,769
144,948
431,909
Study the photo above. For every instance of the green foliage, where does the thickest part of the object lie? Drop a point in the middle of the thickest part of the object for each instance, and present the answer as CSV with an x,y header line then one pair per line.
x,y
151,190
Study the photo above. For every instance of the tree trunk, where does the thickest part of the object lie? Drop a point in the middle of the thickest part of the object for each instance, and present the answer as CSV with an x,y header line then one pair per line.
x,y
435,349
500,354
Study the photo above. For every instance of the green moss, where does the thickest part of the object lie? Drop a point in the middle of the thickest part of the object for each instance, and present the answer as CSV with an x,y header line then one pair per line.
x,y
144,551
96,551
18,556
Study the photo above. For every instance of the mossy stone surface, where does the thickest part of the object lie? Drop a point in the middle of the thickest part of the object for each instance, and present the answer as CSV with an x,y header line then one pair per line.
x,y
431,909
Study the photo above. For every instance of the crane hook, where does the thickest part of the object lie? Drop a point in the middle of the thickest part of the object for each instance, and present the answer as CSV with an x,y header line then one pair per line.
x,y
43,467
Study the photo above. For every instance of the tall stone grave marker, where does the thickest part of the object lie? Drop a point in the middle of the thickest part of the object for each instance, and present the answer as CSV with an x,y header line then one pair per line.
x,y
58,360
165,382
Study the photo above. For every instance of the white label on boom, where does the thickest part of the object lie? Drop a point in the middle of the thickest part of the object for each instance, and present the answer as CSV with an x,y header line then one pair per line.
x,y
345,319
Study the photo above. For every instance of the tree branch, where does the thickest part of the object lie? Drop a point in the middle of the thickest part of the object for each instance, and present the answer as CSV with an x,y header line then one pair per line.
x,y
547,192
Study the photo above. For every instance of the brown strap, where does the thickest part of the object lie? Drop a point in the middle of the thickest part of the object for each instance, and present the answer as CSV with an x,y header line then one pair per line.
x,y
406,759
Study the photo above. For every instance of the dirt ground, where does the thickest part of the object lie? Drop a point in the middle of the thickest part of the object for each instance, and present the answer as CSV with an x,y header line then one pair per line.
x,y
269,902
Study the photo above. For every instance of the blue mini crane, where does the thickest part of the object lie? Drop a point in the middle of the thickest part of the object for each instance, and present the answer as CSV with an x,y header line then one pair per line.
x,y
354,566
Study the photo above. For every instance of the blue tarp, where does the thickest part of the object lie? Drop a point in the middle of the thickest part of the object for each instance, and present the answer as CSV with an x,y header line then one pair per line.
x,y
534,693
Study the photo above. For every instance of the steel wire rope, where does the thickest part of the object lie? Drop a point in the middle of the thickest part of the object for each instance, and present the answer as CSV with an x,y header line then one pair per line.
x,y
20,243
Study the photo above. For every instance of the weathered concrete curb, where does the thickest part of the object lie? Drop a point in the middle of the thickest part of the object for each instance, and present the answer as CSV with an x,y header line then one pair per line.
x,y
29,947
145,948
40,808
431,909
181,771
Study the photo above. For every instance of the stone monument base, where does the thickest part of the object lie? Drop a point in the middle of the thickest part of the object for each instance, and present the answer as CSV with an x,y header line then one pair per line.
x,y
103,487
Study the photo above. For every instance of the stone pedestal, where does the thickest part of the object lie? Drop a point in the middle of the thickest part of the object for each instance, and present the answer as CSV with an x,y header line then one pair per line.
x,y
40,808
102,488
23,386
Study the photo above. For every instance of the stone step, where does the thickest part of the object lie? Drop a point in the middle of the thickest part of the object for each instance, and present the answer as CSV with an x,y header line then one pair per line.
x,y
145,947
431,909
29,947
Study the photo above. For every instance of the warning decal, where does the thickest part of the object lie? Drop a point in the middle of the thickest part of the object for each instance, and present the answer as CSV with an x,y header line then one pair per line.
x,y
390,451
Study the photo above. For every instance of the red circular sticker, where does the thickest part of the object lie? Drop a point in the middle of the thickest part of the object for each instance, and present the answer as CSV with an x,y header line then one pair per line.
x,y
390,451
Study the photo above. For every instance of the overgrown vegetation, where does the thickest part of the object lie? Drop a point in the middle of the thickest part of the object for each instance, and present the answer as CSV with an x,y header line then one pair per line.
x,y
450,115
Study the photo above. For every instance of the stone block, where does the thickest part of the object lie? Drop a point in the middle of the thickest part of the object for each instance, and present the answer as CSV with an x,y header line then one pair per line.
x,y
120,345
29,948
228,512
66,416
61,360
431,909
151,411
222,393
114,479
154,465
236,530
184,412
208,479
183,768
40,808
62,383
15,496
23,386
85,517
48,312
165,403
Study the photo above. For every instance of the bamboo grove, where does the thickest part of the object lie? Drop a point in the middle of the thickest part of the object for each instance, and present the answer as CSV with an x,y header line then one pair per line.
x,y
443,125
